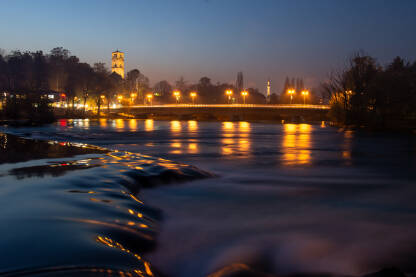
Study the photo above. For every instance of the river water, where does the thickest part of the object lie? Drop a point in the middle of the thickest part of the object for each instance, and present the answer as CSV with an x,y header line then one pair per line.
x,y
286,198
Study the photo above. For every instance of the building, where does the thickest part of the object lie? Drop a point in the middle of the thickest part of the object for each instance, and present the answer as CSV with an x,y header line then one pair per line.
x,y
268,96
117,63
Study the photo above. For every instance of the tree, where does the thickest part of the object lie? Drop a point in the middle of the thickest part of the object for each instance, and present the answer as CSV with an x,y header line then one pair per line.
x,y
239,84
162,91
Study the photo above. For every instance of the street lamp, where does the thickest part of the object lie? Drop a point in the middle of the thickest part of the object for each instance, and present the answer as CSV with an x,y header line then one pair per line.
x,y
149,98
177,95
305,93
244,94
291,92
229,93
193,95
132,96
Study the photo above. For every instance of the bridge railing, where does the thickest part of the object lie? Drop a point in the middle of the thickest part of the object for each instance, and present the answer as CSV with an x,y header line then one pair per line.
x,y
254,106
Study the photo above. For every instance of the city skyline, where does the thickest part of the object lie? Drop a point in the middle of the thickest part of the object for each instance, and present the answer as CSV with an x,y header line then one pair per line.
x,y
217,39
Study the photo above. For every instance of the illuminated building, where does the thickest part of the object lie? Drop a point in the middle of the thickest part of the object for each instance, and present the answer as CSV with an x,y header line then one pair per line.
x,y
268,91
117,63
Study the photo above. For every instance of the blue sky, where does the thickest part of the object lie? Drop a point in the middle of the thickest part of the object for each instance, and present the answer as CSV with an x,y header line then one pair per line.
x,y
166,39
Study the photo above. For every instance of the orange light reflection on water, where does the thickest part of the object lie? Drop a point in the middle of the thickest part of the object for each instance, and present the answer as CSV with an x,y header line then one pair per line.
x,y
346,152
296,144
192,126
148,125
103,122
133,124
244,141
119,123
176,145
175,126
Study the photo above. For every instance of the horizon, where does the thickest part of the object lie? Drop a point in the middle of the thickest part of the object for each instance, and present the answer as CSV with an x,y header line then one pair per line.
x,y
218,44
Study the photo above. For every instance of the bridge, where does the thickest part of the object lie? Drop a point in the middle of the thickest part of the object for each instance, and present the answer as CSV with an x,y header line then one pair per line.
x,y
278,112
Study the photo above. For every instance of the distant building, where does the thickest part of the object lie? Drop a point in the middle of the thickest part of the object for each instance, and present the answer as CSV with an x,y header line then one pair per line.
x,y
117,63
268,96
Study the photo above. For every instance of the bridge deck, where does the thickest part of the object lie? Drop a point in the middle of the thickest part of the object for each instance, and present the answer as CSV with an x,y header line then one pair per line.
x,y
254,106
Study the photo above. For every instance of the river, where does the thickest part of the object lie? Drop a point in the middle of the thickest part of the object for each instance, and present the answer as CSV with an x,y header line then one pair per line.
x,y
286,198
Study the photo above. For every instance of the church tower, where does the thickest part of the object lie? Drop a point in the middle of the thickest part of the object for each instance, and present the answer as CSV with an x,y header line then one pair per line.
x,y
117,63
268,91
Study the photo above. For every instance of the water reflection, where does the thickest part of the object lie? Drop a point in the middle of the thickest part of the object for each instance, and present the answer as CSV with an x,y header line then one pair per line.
x,y
244,141
228,129
236,139
119,123
175,126
227,146
192,126
148,125
133,124
227,141
193,148
176,145
103,122
296,144
346,151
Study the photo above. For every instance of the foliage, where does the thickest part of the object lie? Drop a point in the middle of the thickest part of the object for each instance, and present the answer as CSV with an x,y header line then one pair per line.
x,y
366,93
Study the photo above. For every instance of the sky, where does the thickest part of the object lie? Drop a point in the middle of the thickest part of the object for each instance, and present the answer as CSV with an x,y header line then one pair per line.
x,y
167,39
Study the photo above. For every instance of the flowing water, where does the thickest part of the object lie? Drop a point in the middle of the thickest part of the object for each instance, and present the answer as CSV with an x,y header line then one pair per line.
x,y
282,198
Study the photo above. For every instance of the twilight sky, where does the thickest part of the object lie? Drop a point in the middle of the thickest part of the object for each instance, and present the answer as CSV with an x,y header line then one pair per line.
x,y
166,39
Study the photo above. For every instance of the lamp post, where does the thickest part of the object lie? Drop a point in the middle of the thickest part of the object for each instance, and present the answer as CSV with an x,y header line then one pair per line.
x,y
149,98
229,93
348,93
193,95
244,94
120,99
305,93
177,95
291,92
132,96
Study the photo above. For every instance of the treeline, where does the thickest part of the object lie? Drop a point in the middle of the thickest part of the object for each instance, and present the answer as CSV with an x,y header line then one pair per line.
x,y
28,78
368,94
207,92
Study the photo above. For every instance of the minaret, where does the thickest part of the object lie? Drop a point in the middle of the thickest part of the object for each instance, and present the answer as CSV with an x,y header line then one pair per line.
x,y
117,63
268,91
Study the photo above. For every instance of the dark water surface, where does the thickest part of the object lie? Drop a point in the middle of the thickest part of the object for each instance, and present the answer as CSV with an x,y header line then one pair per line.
x,y
287,199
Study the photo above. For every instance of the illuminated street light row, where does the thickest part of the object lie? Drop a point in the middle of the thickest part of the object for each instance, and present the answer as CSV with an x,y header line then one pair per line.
x,y
305,93
177,95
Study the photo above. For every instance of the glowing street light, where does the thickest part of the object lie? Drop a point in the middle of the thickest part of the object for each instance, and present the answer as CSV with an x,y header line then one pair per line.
x,y
305,93
291,92
132,96
193,95
149,98
120,98
244,94
229,93
177,95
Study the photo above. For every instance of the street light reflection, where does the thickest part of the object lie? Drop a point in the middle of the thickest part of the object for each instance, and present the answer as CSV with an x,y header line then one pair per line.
x,y
176,145
103,122
119,124
148,125
133,124
228,129
193,148
175,126
346,152
192,125
296,144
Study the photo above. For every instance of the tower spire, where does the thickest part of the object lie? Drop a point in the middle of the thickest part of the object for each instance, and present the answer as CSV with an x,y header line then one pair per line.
x,y
269,83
